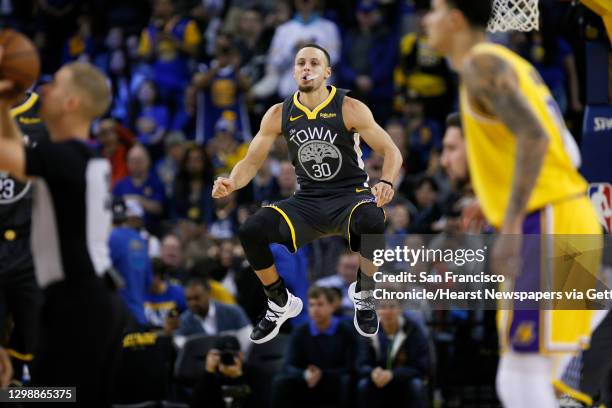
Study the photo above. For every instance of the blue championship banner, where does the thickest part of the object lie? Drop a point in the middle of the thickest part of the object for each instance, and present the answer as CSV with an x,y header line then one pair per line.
x,y
597,144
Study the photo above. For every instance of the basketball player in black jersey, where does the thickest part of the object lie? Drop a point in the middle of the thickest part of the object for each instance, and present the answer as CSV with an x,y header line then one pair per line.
x,y
322,127
20,296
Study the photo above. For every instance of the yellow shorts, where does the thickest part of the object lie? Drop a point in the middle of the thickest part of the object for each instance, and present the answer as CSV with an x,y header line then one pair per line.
x,y
564,241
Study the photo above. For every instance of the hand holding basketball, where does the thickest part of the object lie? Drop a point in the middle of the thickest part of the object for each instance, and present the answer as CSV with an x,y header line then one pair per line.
x,y
19,63
223,187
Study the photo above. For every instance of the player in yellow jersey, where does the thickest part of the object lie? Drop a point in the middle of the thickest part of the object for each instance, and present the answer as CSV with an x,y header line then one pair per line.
x,y
522,163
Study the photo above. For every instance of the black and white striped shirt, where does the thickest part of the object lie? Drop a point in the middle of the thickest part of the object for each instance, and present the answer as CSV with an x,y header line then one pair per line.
x,y
71,216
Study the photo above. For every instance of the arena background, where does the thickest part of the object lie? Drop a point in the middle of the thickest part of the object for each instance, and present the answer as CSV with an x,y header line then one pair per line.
x,y
191,80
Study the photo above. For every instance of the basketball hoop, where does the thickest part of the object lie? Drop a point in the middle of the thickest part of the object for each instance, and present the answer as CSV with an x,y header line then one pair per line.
x,y
519,15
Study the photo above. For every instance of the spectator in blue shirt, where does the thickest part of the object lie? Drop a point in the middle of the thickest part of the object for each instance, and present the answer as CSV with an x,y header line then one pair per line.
x,y
119,73
224,88
319,359
130,257
149,118
141,186
164,300
169,42
80,46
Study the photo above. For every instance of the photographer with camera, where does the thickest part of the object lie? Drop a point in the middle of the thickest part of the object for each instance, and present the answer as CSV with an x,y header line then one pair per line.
x,y
224,378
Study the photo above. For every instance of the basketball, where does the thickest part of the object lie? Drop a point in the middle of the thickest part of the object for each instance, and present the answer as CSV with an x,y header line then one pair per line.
x,y
20,62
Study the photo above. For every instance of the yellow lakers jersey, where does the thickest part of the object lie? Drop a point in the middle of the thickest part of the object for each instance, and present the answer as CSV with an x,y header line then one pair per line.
x,y
491,146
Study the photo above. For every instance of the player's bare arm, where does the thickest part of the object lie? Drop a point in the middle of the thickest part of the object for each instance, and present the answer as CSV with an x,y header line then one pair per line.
x,y
493,87
244,171
359,118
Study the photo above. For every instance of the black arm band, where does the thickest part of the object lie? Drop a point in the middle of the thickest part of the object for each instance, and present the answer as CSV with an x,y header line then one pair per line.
x,y
386,182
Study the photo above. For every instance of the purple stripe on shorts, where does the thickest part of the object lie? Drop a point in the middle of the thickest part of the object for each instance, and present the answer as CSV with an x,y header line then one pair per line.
x,y
525,328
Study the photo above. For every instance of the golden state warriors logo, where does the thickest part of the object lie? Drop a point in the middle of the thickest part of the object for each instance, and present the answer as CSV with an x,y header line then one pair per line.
x,y
318,155
320,160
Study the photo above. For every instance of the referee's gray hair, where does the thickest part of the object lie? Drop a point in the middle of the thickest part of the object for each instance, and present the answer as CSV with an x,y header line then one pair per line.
x,y
94,85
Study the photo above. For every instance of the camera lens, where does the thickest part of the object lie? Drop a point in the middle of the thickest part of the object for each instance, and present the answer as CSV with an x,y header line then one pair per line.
x,y
227,358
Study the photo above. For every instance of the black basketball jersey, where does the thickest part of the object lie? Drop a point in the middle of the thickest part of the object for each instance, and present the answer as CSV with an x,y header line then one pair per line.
x,y
324,153
16,196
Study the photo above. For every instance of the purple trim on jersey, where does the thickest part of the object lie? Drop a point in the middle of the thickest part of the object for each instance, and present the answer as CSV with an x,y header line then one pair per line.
x,y
526,319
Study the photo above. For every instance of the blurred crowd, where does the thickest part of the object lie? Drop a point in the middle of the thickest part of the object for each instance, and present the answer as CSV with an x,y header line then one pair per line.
x,y
191,80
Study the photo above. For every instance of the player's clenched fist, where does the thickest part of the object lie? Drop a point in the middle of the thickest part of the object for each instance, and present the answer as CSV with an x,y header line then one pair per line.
x,y
383,193
223,187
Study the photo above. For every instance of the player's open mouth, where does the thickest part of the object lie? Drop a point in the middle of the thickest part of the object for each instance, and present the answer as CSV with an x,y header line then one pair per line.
x,y
309,77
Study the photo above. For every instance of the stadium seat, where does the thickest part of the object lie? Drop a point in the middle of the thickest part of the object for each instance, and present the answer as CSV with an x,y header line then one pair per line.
x,y
266,360
146,368
191,359
269,356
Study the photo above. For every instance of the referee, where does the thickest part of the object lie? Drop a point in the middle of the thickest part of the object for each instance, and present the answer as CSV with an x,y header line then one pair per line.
x,y
82,316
